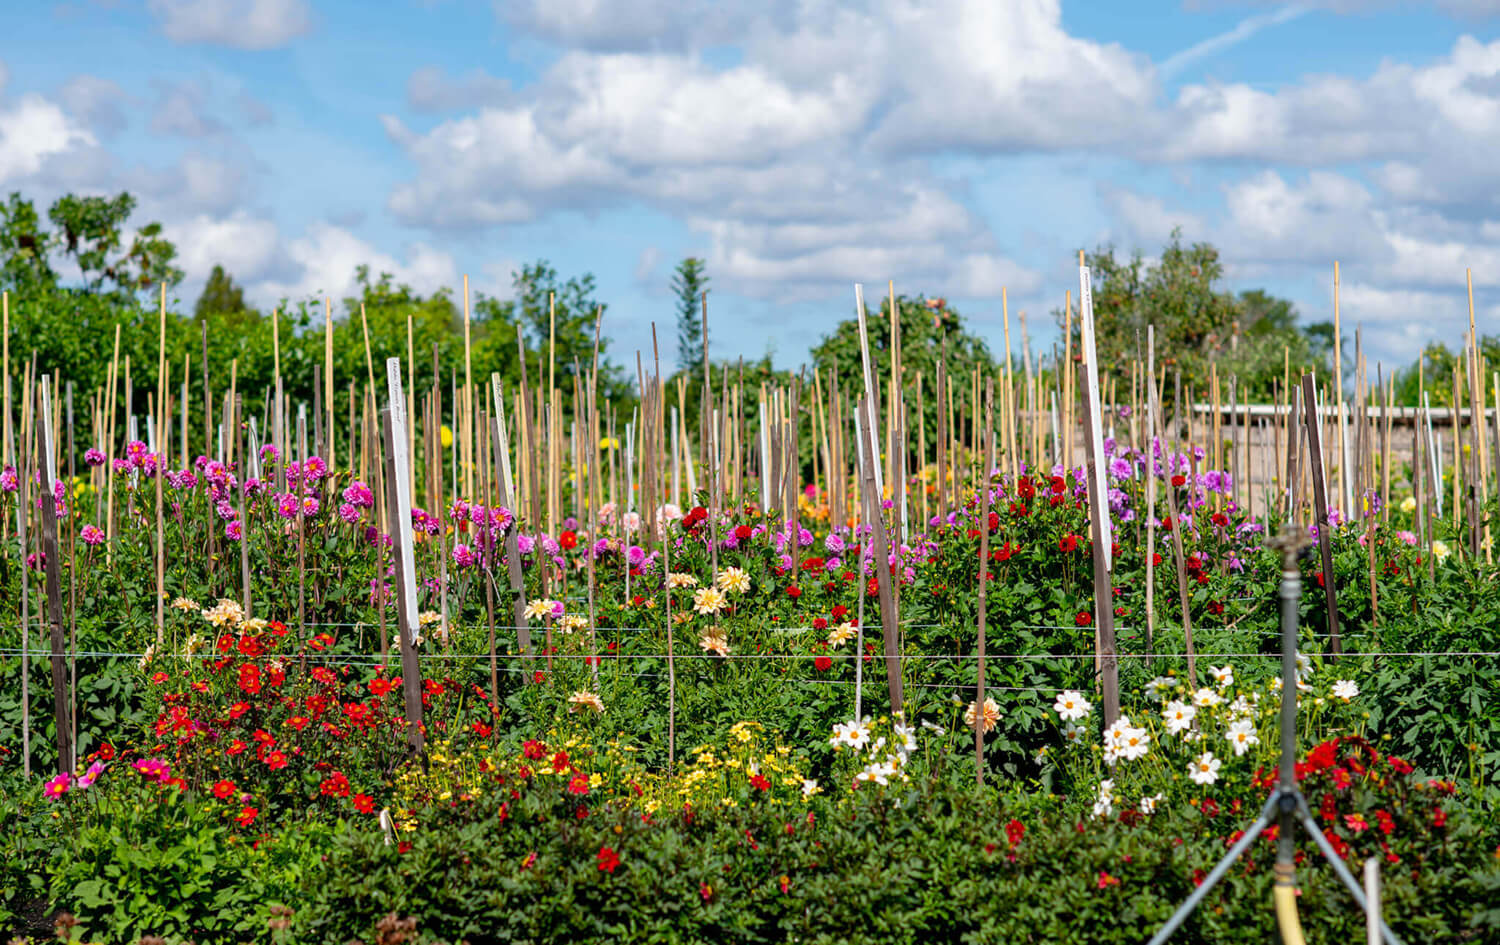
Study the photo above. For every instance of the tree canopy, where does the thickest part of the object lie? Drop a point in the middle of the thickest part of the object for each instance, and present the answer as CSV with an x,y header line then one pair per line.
x,y
1197,324
71,284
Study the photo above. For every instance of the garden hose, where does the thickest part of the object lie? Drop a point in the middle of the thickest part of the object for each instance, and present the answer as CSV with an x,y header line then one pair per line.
x,y
1284,895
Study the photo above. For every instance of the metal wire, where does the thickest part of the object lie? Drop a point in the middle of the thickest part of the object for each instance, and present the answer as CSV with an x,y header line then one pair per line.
x,y
605,657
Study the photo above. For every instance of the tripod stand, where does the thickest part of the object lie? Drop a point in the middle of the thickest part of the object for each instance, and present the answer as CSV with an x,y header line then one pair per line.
x,y
1286,807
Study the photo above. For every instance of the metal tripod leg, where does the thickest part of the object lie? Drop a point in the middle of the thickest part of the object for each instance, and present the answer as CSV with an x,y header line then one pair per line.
x,y
1339,867
1267,814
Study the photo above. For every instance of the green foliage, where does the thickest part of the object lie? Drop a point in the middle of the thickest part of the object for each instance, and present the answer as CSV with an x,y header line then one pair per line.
x,y
1196,322
1432,372
220,296
578,315
689,283
72,328
90,234
932,864
931,332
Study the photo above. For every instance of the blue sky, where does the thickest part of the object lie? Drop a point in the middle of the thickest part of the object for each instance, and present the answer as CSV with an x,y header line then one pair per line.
x,y
956,146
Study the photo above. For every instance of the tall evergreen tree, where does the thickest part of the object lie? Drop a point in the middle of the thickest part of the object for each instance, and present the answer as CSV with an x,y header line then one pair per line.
x,y
220,296
689,283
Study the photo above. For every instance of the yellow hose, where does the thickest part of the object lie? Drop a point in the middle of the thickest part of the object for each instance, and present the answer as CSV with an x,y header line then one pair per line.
x,y
1284,894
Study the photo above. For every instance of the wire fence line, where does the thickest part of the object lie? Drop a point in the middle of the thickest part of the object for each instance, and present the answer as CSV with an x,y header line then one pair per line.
x,y
609,657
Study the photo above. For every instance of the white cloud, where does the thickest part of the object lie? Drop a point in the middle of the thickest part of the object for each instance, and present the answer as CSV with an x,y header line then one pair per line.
x,y
1433,117
789,160
1001,77
1146,219
242,24
96,102
32,130
245,246
327,257
1327,216
181,110
430,90
639,25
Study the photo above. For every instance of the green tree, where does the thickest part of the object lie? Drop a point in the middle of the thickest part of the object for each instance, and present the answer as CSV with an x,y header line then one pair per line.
x,y
90,230
537,288
689,283
24,246
1197,324
221,297
930,332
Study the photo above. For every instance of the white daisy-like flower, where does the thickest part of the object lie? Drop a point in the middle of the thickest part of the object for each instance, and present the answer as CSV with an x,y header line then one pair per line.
x,y
934,728
1148,804
1241,707
1223,676
1204,769
1179,716
810,787
1206,698
859,734
1161,687
1104,805
1134,744
841,734
1113,733
1345,689
1242,735
906,737
1071,706
1074,732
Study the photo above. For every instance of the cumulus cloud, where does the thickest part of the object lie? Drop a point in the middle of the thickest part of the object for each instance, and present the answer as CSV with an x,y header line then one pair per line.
x,y
639,25
430,90
33,130
326,256
242,24
1433,126
793,162
96,102
247,247
181,109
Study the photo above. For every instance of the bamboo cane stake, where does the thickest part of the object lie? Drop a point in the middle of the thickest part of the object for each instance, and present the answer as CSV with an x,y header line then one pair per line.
x,y
1104,615
24,460
1066,380
161,399
1150,555
1320,505
328,400
5,374
983,579
1008,401
1177,555
888,617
